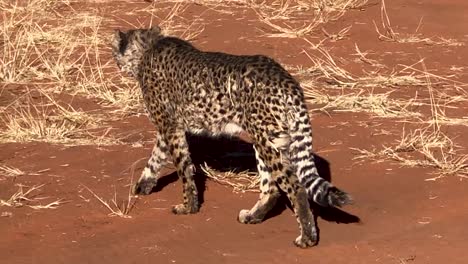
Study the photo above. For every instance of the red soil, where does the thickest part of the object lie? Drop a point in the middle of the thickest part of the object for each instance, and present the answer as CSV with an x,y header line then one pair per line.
x,y
404,219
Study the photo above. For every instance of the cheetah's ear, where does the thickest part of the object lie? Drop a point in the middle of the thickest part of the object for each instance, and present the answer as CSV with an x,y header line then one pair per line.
x,y
154,31
117,35
120,41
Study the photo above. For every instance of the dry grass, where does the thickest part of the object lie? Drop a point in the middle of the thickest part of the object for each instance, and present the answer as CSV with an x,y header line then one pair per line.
x,y
341,90
387,33
423,147
29,198
379,105
121,210
283,29
15,61
51,122
357,92
342,34
244,181
173,22
364,57
60,56
66,56
34,50
278,14
285,16
327,69
10,171
428,146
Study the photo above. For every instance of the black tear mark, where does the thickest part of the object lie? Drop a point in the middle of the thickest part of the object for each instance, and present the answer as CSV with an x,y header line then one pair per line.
x,y
123,42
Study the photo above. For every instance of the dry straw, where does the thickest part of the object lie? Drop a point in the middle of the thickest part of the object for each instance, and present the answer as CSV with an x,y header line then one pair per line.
x,y
29,199
387,33
244,181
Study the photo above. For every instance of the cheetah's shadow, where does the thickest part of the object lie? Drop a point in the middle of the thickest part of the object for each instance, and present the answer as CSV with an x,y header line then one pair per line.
x,y
233,154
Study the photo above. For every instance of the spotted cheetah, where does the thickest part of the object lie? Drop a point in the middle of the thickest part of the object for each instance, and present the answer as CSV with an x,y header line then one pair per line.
x,y
189,90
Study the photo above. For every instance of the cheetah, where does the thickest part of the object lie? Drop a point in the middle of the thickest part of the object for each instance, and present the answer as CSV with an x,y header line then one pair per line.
x,y
189,90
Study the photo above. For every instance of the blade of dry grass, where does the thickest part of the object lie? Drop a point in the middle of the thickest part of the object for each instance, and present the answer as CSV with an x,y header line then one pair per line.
x,y
337,36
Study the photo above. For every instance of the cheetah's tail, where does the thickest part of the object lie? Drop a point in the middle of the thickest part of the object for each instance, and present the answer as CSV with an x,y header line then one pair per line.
x,y
302,157
325,194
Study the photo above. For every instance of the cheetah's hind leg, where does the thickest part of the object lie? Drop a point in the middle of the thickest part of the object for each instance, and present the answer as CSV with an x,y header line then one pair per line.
x,y
277,160
150,175
268,196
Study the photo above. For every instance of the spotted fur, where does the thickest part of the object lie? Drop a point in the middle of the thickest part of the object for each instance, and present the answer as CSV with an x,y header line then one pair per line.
x,y
189,90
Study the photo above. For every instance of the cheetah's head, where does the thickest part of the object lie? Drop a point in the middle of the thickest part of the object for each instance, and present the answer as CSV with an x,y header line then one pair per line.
x,y
129,46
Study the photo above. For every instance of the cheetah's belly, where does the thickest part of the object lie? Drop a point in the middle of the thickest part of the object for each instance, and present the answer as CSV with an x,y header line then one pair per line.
x,y
232,129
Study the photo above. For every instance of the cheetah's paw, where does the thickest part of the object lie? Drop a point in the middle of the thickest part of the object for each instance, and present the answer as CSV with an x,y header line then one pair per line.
x,y
144,186
305,241
185,209
246,218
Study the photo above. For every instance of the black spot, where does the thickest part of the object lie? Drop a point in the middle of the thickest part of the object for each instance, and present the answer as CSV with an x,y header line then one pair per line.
x,y
265,181
306,130
280,166
163,148
279,180
275,167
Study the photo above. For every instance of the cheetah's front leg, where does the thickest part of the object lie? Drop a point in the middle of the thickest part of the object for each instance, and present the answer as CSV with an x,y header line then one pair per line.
x,y
179,150
150,175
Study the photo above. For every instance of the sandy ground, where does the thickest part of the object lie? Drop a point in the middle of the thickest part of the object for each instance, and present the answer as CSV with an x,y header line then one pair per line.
x,y
398,216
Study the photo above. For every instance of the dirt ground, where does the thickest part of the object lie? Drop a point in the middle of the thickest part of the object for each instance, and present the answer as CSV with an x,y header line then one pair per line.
x,y
410,198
